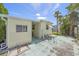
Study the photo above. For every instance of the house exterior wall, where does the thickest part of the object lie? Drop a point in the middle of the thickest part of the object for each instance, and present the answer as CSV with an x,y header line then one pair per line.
x,y
37,28
40,29
43,31
18,38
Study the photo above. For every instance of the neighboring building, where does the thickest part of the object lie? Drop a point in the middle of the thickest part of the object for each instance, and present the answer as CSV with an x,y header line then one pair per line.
x,y
42,27
77,23
74,23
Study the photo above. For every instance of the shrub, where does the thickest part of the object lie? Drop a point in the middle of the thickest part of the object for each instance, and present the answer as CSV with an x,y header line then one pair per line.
x,y
2,30
56,33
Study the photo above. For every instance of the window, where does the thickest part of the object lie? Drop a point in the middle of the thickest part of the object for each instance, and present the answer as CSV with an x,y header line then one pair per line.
x,y
18,28
24,29
47,27
21,28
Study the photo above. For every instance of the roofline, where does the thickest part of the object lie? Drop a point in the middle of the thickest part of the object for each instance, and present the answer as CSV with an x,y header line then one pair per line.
x,y
41,20
45,21
8,16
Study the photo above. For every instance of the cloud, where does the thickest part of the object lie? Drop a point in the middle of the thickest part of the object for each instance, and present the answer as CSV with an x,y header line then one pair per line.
x,y
49,8
41,18
37,14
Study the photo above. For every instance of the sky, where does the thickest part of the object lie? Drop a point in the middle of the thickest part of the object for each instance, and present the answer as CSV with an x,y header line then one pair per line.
x,y
35,11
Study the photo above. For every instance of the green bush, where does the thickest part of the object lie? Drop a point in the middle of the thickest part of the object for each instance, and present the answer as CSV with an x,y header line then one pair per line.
x,y
2,30
3,10
56,33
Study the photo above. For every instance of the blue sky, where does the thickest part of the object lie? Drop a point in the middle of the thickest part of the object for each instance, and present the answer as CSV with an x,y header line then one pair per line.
x,y
36,11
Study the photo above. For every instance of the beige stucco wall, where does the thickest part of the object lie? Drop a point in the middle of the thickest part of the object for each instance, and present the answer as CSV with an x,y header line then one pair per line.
x,y
18,38
43,31
40,29
37,29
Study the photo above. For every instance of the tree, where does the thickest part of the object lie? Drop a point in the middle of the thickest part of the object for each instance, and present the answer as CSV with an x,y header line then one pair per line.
x,y
72,6
3,10
2,30
73,16
65,25
57,14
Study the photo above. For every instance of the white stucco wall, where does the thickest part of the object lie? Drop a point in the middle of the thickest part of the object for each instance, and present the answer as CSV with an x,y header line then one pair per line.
x,y
18,38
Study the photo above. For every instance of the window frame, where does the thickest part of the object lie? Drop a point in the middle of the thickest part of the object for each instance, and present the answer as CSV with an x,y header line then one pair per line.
x,y
21,28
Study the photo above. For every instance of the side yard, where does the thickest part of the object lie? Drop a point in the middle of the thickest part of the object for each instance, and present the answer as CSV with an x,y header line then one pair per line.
x,y
58,46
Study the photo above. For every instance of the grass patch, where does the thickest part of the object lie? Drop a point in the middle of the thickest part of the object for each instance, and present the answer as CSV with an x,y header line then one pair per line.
x,y
56,33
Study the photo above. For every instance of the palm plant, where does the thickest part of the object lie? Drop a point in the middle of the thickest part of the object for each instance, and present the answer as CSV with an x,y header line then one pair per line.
x,y
57,14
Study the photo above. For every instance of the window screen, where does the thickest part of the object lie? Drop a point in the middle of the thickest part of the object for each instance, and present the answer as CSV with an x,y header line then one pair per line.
x,y
18,28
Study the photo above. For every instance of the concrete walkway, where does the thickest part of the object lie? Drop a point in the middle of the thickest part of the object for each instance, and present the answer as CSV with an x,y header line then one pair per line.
x,y
58,46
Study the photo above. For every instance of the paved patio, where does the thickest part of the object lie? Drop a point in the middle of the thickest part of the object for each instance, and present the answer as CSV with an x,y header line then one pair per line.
x,y
58,46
